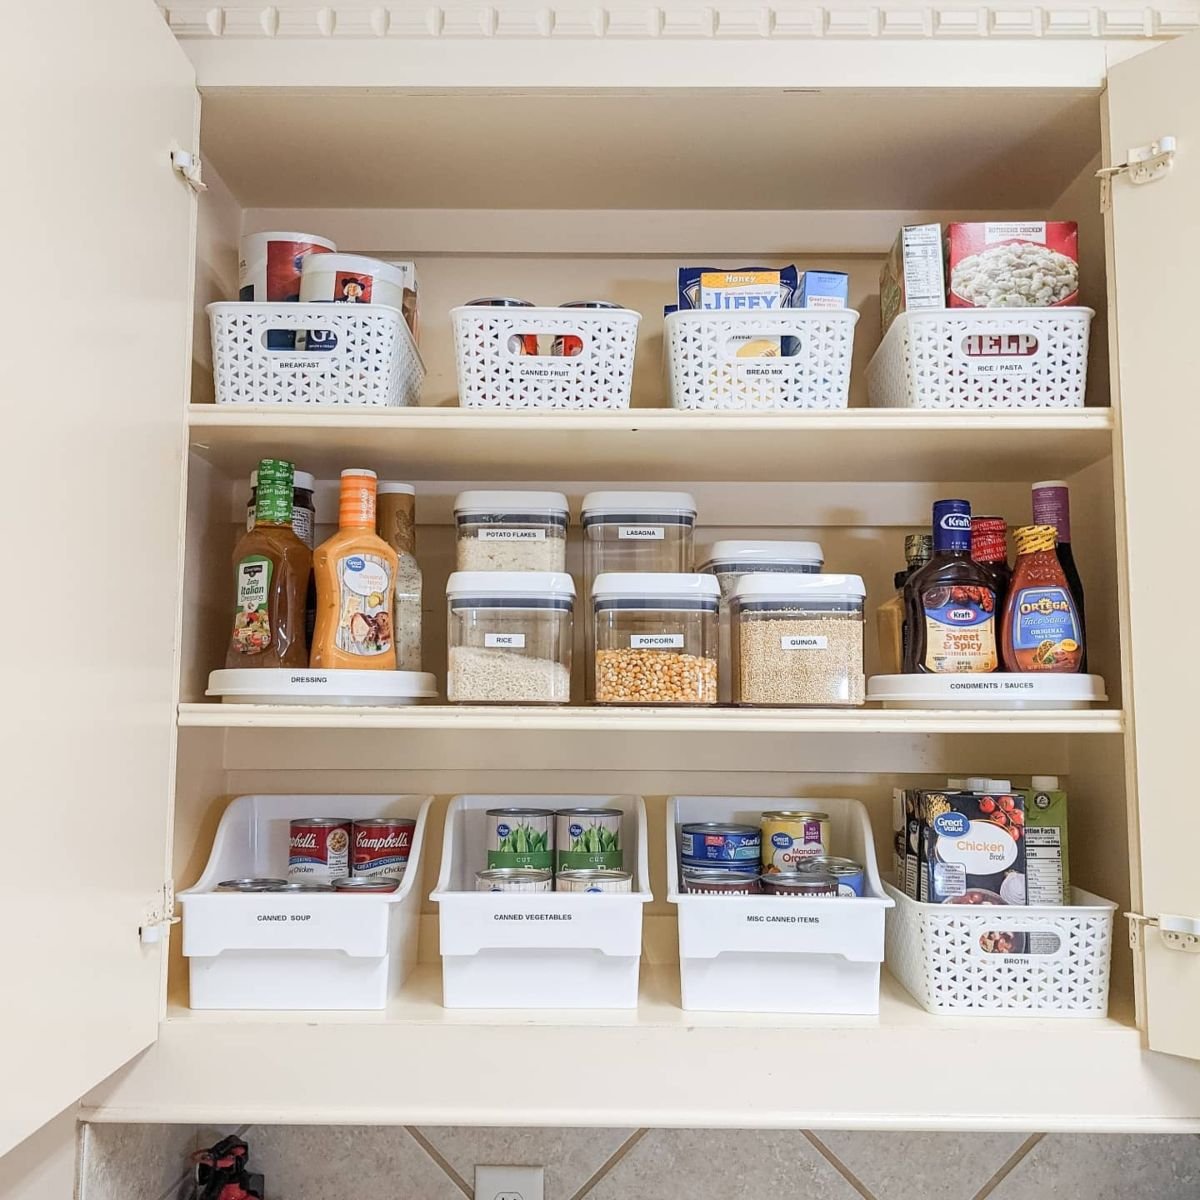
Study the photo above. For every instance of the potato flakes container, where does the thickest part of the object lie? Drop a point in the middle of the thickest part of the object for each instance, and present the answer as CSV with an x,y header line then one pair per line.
x,y
655,637
798,640
511,531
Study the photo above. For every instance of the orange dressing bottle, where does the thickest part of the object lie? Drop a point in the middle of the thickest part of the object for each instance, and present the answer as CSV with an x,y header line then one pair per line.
x,y
356,578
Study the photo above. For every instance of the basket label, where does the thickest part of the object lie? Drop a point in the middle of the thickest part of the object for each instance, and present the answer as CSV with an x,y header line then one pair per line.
x,y
641,533
804,642
546,369
781,919
300,364
994,354
511,535
656,641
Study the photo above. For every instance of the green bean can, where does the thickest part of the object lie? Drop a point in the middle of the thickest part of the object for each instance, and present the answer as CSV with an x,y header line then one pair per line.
x,y
588,839
520,837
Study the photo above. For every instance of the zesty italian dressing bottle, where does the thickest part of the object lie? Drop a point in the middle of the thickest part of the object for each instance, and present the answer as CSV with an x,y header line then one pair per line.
x,y
356,577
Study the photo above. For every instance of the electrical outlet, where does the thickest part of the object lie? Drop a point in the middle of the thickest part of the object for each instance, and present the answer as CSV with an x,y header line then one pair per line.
x,y
509,1183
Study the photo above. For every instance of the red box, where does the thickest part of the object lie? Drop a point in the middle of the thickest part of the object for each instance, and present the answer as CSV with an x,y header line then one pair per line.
x,y
1013,264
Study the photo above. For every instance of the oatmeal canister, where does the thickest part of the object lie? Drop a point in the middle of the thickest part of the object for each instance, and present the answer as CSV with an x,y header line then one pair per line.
x,y
520,837
319,849
714,844
609,882
513,879
588,838
788,838
382,845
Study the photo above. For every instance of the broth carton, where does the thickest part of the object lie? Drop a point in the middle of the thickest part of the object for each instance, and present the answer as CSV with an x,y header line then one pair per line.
x,y
913,274
973,845
1047,860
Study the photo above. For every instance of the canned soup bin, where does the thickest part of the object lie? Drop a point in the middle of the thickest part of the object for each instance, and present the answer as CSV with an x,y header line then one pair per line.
x,y
538,950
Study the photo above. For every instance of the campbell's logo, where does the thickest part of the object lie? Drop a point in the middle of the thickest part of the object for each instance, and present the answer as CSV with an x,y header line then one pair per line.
x,y
1045,606
955,521
382,841
999,345
304,841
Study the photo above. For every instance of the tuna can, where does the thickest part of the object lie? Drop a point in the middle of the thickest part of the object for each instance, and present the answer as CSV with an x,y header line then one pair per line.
x,y
594,881
588,838
513,879
319,849
520,837
799,883
301,886
382,845
567,345
788,838
850,878
366,884
716,844
519,343
715,881
251,885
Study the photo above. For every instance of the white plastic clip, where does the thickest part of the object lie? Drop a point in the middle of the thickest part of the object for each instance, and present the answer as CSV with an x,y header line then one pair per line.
x,y
1144,164
188,165
1180,933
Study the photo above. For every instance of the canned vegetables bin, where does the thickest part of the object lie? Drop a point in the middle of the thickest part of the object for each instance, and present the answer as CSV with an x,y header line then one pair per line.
x,y
274,950
780,954
538,950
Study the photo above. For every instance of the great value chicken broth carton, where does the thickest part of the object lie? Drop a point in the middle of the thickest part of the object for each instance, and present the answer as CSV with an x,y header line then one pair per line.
x,y
972,847
1013,264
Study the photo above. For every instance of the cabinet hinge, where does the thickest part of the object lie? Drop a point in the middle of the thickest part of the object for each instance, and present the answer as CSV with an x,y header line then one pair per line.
x,y
188,165
1144,164
160,916
1177,933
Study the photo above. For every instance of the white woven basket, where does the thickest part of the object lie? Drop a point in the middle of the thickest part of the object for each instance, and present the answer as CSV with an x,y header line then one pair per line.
x,y
935,951
372,360
494,373
703,370
982,358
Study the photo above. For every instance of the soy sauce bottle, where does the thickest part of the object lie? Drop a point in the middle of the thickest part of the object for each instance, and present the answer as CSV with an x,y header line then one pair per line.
x,y
950,603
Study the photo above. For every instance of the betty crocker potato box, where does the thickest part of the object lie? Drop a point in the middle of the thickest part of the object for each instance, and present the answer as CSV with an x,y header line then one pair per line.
x,y
1013,264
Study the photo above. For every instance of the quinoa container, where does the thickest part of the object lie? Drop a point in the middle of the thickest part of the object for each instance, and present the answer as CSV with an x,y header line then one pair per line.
x,y
508,636
798,640
730,560
776,953
538,950
511,531
655,638
298,949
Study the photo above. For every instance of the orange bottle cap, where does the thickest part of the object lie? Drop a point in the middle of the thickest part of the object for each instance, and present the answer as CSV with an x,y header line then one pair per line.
x,y
356,507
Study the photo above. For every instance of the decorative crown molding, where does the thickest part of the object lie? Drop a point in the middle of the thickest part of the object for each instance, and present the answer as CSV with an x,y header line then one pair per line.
x,y
734,20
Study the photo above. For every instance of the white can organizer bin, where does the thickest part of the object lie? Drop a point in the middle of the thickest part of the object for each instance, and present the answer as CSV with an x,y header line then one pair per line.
x,y
494,373
541,950
274,950
704,371
1033,690
304,685
373,360
982,358
748,954
934,950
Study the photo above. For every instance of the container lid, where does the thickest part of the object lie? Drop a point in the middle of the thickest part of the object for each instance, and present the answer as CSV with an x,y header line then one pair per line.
x,y
617,585
303,685
1044,783
510,502
785,586
300,479
737,551
510,583
387,487
352,262
671,503
988,786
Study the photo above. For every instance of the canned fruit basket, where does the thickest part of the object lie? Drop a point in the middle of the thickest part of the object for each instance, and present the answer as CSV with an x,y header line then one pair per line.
x,y
538,950
271,950
804,361
982,358
1000,960
347,354
497,368
751,953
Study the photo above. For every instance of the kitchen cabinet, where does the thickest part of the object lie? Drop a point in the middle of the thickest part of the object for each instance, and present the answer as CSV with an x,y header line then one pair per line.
x,y
557,166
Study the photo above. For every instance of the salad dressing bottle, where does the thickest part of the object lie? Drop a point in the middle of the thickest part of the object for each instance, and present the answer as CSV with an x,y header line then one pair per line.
x,y
356,578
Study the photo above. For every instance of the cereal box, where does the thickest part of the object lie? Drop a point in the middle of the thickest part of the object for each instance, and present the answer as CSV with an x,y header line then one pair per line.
x,y
1013,264
913,274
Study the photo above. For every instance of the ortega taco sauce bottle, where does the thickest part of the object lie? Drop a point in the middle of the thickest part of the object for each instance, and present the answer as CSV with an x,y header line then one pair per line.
x,y
1041,627
355,572
950,603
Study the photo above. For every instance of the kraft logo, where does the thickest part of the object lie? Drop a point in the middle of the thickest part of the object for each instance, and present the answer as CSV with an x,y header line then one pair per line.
x,y
961,614
951,824
960,521
355,563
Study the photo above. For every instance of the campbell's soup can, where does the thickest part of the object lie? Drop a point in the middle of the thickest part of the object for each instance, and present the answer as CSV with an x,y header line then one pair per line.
x,y
381,846
789,838
567,345
519,343
319,849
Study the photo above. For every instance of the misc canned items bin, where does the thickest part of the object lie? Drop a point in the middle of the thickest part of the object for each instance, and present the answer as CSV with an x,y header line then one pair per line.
x,y
655,638
509,637
511,531
798,639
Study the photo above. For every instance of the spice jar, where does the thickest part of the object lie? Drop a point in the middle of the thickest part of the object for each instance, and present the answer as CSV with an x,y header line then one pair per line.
x,y
395,515
509,637
304,510
798,639
655,638
511,531
729,561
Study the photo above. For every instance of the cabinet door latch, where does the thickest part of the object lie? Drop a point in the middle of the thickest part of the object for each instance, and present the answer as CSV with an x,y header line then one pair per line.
x,y
1143,164
188,165
1177,933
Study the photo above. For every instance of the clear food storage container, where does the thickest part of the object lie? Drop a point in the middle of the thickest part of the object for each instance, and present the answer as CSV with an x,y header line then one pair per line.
x,y
798,639
655,638
511,531
509,637
637,531
730,560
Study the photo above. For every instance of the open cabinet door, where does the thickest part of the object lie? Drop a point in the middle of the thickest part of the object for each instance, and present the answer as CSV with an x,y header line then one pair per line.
x,y
1155,242
97,230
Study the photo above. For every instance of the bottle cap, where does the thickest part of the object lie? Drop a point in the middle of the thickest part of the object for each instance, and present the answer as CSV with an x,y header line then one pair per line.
x,y
1044,783
989,539
951,527
918,549
1031,539
356,505
273,494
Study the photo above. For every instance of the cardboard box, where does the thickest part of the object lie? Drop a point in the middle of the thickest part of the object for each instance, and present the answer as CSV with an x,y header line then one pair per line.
x,y
1013,264
973,844
1048,865
823,289
913,275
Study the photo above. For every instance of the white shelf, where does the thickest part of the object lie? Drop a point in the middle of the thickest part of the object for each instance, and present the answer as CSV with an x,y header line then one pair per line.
x,y
655,443
661,1067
